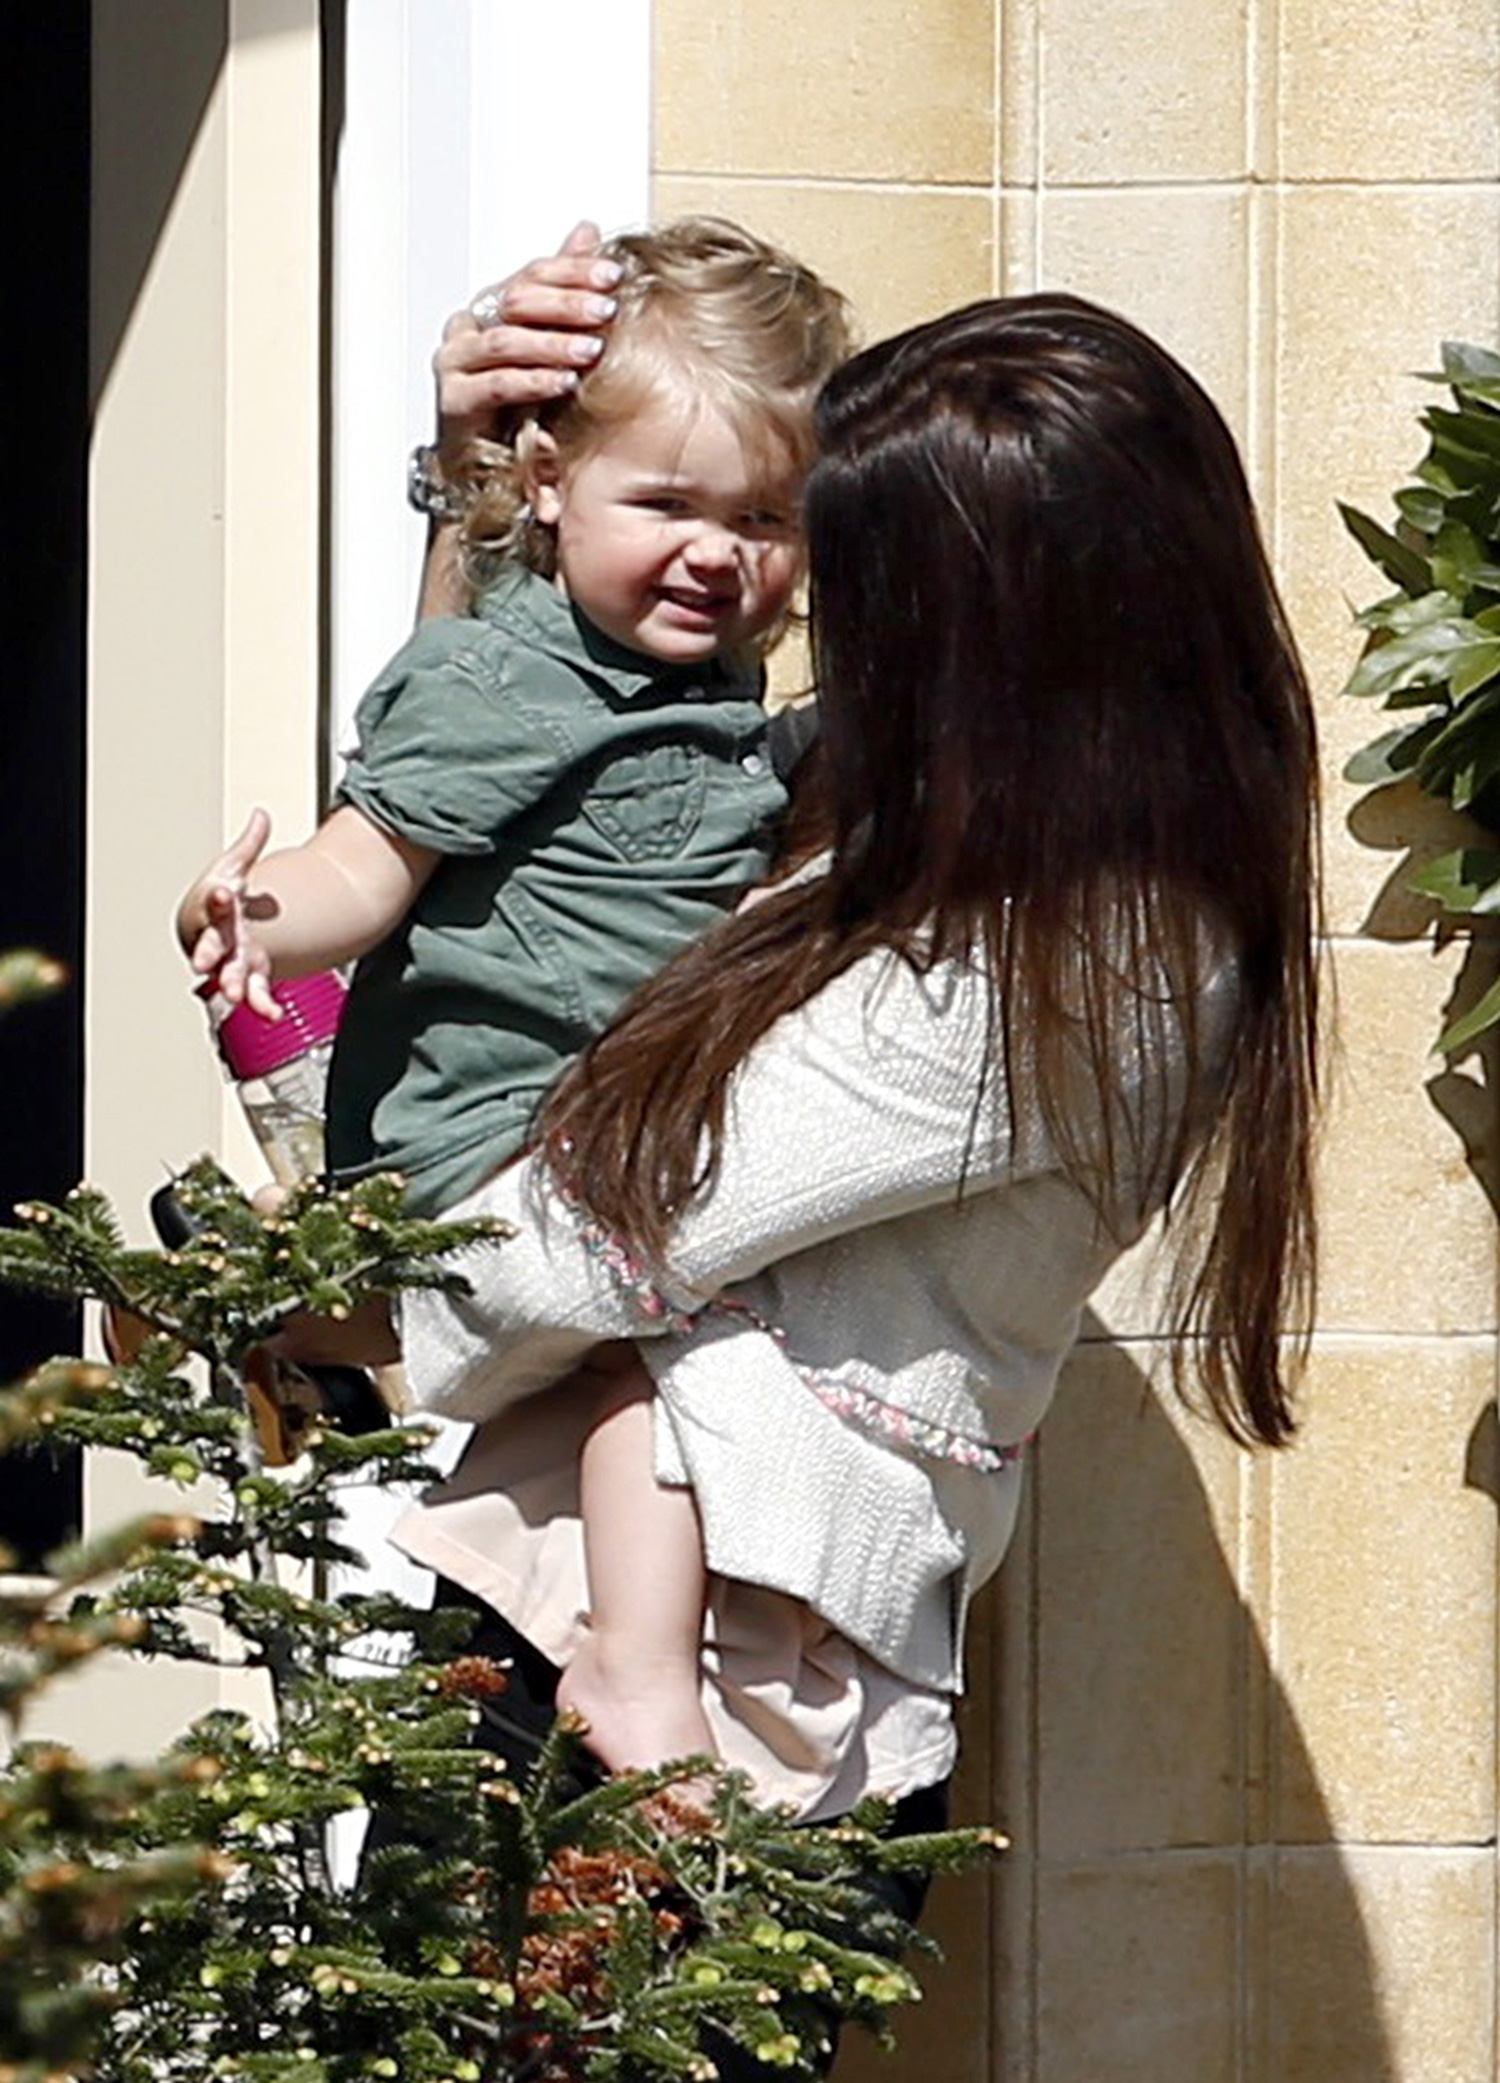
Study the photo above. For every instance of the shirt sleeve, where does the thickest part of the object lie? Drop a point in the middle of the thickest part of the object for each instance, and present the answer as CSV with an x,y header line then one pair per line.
x,y
868,1103
449,750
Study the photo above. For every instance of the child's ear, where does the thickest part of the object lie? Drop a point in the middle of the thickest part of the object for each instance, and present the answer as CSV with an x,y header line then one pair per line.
x,y
541,475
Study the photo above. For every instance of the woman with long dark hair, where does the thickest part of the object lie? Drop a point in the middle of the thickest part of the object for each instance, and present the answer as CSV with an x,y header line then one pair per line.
x,y
845,1173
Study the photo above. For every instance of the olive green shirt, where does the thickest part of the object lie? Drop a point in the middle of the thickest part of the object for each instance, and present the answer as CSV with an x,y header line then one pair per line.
x,y
595,811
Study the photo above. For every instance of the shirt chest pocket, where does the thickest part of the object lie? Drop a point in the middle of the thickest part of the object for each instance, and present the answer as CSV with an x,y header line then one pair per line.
x,y
648,804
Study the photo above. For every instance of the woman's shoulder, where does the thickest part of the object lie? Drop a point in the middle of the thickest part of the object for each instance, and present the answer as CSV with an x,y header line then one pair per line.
x,y
939,1023
894,1025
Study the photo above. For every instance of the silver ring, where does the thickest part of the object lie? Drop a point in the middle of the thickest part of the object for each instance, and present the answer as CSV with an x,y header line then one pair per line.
x,y
488,307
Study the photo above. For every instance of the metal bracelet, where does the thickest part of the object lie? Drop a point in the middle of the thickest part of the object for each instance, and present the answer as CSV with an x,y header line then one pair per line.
x,y
427,489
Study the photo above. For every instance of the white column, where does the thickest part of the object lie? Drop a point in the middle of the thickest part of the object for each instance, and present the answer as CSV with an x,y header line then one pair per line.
x,y
475,133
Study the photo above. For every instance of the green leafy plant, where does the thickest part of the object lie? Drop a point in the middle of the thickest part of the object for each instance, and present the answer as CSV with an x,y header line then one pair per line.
x,y
1433,650
177,1921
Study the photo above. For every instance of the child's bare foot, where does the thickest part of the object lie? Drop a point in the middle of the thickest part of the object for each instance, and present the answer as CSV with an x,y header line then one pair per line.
x,y
642,1707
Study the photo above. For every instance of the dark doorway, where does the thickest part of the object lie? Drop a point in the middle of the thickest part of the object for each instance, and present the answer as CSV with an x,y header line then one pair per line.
x,y
44,153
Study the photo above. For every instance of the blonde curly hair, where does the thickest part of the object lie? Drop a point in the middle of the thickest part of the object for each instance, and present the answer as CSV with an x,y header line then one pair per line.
x,y
703,305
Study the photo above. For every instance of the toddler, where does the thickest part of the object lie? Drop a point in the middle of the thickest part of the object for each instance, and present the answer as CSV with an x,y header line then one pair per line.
x,y
548,798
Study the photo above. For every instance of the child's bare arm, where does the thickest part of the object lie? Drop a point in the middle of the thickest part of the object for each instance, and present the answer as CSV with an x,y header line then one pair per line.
x,y
246,920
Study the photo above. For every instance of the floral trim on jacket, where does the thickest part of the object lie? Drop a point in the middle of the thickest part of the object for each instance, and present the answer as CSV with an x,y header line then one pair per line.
x,y
887,1421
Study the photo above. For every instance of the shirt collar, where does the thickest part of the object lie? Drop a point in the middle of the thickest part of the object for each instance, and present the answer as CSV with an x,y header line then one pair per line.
x,y
533,609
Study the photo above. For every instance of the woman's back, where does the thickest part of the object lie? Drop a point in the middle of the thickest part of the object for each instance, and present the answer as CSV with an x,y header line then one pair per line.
x,y
1066,735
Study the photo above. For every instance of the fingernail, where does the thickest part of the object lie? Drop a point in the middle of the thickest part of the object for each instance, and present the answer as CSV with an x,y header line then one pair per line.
x,y
585,348
602,308
604,274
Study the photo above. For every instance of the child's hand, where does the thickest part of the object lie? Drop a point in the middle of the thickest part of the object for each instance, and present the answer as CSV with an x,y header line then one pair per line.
x,y
215,923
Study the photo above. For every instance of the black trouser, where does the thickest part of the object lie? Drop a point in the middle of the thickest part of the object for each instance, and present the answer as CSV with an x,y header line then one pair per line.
x,y
514,1726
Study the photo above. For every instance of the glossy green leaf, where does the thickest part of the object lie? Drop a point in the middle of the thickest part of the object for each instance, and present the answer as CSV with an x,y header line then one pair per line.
x,y
1466,881
1468,431
1433,656
1461,561
1471,473
1399,612
1485,766
1401,565
1473,1023
1468,725
1421,508
1432,474
1466,362
1465,757
1439,771
1391,756
1418,658
1471,371
1431,698
1476,404
1474,667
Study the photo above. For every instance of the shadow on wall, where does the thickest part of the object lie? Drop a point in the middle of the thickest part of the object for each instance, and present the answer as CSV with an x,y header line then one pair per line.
x,y
1125,1727
169,52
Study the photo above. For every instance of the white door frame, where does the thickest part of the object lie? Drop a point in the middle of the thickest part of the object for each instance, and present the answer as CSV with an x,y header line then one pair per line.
x,y
475,133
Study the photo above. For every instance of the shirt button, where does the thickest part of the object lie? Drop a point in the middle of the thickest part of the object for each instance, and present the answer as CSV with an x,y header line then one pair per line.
x,y
753,763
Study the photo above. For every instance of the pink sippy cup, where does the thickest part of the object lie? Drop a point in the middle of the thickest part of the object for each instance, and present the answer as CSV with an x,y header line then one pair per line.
x,y
281,1068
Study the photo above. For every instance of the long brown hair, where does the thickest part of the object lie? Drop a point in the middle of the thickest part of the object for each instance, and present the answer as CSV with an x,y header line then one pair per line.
x,y
1065,732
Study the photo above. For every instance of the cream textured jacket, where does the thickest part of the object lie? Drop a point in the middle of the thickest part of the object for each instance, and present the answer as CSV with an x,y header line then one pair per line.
x,y
863,1321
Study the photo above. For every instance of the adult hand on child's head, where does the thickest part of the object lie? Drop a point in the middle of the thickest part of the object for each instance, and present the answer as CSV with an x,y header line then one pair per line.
x,y
215,927
525,340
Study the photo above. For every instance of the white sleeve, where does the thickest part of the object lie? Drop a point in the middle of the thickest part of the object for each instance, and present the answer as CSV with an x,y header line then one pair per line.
x,y
869,1102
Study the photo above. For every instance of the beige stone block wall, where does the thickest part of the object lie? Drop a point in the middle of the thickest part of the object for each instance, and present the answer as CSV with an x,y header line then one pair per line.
x,y
1239,1716
1380,1546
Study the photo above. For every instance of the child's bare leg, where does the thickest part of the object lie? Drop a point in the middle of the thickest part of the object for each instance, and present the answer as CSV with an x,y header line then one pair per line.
x,y
636,1679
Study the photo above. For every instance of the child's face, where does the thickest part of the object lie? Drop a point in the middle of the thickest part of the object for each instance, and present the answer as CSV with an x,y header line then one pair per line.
x,y
672,537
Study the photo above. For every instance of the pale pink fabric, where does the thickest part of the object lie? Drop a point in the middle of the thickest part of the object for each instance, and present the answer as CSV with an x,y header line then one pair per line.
x,y
813,1721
